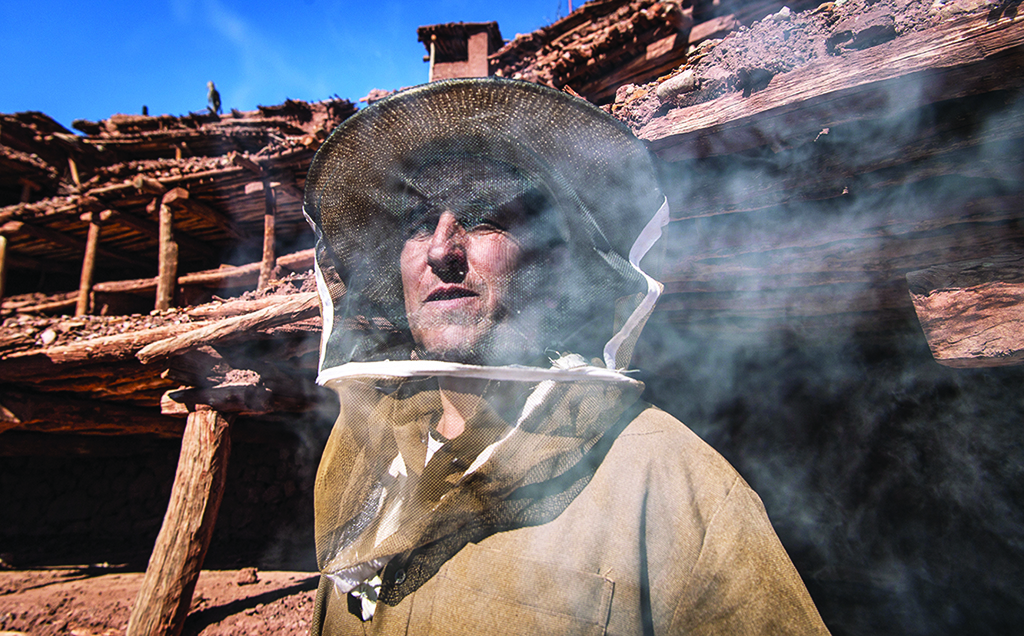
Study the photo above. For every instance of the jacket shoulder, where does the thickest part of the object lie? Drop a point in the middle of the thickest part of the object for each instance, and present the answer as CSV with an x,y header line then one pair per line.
x,y
668,444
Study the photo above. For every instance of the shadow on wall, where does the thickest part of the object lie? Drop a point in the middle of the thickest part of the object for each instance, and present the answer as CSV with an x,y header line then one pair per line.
x,y
896,484
107,507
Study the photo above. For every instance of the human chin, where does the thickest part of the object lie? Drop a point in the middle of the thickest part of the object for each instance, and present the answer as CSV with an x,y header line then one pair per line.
x,y
451,342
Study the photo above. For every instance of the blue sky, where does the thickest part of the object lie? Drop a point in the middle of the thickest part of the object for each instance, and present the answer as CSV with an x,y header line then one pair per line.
x,y
89,60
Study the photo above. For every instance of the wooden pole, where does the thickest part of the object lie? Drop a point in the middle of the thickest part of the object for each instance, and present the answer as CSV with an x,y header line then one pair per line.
x,y
430,73
74,172
267,264
168,272
88,265
3,266
163,601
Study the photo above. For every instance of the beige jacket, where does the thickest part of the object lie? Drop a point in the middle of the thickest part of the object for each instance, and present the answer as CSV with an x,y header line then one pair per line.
x,y
665,539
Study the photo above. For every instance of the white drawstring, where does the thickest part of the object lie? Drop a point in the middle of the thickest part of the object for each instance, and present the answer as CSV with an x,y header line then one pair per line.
x,y
643,243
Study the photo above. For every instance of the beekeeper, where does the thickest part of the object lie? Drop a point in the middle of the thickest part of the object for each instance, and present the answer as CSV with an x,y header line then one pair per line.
x,y
493,470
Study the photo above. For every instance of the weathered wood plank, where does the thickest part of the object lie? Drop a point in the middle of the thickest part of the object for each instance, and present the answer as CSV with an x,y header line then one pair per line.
x,y
975,137
53,413
41,363
292,308
241,399
152,230
59,238
163,601
57,362
179,197
805,248
955,59
213,311
20,261
972,312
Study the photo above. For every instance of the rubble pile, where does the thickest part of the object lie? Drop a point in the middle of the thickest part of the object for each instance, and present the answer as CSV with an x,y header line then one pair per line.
x,y
748,59
607,43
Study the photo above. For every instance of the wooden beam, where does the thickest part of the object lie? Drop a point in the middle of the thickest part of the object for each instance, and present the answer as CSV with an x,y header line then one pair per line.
x,y
241,391
962,140
230,309
284,184
179,198
148,185
240,276
240,399
717,27
168,252
232,276
288,187
293,308
151,229
88,265
53,413
955,59
40,364
20,261
55,306
202,367
972,312
269,213
59,238
247,274
242,161
166,593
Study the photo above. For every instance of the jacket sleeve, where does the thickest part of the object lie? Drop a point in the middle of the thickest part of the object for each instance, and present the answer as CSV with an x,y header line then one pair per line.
x,y
741,581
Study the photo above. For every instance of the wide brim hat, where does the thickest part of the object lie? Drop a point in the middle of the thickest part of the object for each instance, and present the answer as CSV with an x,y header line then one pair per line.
x,y
602,175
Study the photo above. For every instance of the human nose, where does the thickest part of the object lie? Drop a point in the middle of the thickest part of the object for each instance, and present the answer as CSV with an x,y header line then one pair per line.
x,y
446,254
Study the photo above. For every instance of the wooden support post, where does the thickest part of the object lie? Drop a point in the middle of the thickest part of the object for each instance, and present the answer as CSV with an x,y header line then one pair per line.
x,y
88,265
74,172
3,265
267,264
168,272
166,593
430,70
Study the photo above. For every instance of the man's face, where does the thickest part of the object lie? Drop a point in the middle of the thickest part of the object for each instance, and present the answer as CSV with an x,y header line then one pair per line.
x,y
458,276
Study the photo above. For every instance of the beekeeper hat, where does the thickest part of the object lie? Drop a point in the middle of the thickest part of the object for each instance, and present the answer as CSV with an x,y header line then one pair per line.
x,y
358,200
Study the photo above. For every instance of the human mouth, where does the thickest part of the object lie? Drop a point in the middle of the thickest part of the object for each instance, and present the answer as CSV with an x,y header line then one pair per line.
x,y
453,292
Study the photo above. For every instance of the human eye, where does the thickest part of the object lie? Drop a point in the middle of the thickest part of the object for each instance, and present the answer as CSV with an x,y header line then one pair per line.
x,y
488,221
487,225
422,225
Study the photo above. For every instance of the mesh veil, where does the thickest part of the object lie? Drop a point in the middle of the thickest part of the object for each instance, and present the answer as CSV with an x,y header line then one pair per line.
x,y
573,189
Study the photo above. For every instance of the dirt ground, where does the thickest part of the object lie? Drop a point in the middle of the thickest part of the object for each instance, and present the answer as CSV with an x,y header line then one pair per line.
x,y
97,600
